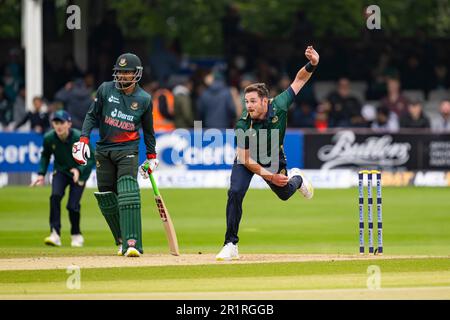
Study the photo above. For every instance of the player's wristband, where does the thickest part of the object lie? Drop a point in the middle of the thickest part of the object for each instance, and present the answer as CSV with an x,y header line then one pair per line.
x,y
151,155
84,139
310,68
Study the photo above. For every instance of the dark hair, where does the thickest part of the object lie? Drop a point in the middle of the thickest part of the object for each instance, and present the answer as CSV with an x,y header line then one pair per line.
x,y
260,88
415,102
383,110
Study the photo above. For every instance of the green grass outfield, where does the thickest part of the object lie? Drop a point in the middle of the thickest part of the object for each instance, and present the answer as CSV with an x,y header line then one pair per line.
x,y
416,223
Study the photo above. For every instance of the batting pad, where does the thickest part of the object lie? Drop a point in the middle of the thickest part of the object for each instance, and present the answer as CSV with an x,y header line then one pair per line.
x,y
130,212
107,202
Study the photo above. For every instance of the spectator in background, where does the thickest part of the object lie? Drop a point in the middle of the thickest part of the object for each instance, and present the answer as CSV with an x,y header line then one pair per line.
x,y
19,109
15,66
246,80
11,84
215,105
301,113
321,119
440,78
163,62
395,100
183,111
303,116
163,108
442,122
5,109
266,73
39,118
69,71
379,75
345,109
385,120
77,97
12,77
415,117
413,74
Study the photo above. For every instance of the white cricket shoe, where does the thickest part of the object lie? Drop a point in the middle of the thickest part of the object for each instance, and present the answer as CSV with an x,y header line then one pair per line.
x,y
53,239
77,240
228,252
119,250
132,252
306,189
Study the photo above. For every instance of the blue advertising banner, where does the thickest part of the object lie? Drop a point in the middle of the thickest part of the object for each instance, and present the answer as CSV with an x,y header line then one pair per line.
x,y
20,152
210,149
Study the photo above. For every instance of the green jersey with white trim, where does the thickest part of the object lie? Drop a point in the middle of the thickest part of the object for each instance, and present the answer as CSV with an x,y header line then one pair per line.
x,y
274,123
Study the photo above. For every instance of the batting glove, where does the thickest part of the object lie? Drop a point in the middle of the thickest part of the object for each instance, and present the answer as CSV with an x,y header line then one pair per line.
x,y
81,151
148,166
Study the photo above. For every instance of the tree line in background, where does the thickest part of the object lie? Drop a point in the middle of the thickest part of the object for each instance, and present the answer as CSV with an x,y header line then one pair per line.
x,y
198,23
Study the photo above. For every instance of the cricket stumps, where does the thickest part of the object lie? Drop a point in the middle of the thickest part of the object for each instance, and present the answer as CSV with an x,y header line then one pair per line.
x,y
370,221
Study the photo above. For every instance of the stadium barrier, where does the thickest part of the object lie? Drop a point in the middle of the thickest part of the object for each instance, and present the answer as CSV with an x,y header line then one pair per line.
x,y
190,159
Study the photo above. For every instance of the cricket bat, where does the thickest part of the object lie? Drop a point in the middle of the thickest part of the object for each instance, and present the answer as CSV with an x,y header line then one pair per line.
x,y
165,217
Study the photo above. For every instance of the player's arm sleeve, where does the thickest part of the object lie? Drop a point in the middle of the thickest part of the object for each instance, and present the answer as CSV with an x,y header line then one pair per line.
x,y
93,115
45,157
285,99
149,132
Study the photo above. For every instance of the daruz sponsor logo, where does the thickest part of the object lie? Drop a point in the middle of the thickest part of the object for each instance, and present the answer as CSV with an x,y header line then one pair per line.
x,y
119,114
381,151
113,99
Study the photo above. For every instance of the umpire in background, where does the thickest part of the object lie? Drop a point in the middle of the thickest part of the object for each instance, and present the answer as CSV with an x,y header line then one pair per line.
x,y
58,142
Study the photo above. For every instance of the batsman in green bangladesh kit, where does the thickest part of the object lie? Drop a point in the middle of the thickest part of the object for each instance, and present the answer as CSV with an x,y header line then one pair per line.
x,y
259,134
120,109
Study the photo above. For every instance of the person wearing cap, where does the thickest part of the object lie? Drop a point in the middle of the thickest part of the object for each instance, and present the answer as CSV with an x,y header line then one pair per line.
x,y
66,173
121,108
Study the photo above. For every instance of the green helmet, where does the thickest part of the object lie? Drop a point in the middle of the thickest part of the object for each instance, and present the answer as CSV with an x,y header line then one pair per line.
x,y
127,62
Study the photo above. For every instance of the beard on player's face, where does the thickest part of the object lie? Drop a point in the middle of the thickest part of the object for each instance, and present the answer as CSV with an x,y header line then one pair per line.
x,y
255,107
125,79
